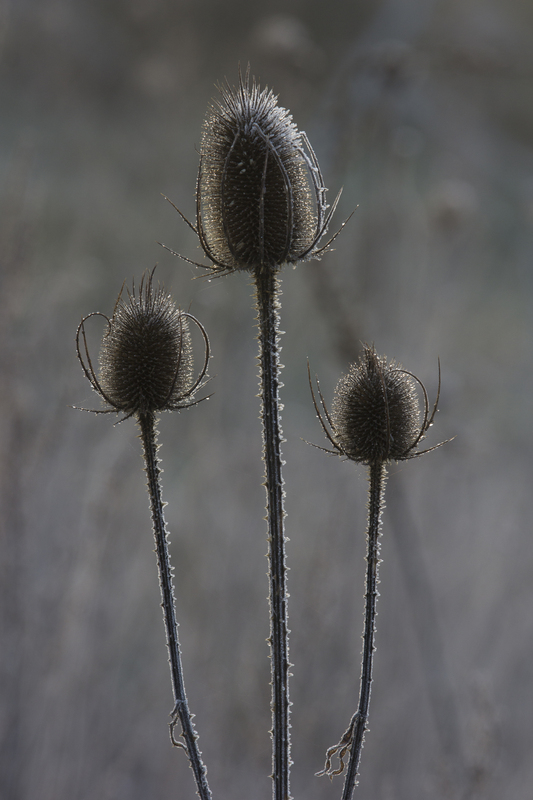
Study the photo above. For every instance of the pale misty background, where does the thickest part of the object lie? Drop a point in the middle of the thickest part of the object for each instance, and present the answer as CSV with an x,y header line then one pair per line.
x,y
423,112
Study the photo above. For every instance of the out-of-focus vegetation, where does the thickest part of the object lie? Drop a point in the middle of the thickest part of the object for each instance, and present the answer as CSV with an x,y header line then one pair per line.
x,y
422,111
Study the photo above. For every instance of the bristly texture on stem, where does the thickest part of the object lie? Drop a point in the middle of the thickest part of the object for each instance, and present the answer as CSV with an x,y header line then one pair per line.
x,y
146,367
260,195
375,419
261,203
267,298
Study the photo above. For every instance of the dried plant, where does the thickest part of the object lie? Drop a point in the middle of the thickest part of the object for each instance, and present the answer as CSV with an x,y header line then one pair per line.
x,y
260,204
374,419
146,367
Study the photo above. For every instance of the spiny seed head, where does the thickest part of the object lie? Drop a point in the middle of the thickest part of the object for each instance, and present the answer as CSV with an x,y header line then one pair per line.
x,y
375,416
260,195
146,356
375,411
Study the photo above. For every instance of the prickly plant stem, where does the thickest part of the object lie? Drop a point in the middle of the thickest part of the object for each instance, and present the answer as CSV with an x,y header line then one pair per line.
x,y
377,475
267,290
180,712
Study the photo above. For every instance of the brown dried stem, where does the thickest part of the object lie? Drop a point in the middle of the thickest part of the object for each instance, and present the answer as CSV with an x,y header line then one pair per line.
x,y
267,288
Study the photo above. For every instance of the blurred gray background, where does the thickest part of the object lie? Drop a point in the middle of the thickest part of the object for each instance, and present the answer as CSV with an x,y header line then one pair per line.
x,y
423,112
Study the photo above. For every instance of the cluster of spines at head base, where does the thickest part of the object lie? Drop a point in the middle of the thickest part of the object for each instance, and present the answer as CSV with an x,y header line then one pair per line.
x,y
260,204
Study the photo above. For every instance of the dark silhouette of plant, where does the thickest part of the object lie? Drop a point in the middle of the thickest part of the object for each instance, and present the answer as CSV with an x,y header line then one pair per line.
x,y
375,419
146,367
261,203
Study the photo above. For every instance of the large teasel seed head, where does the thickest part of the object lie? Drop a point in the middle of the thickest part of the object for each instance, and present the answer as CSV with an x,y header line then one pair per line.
x,y
375,414
145,360
260,194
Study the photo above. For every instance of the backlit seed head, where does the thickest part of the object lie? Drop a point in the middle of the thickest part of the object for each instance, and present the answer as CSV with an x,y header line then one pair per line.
x,y
145,357
260,194
375,415
375,410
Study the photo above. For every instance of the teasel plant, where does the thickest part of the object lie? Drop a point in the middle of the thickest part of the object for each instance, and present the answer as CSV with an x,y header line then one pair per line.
x,y
261,204
374,420
145,368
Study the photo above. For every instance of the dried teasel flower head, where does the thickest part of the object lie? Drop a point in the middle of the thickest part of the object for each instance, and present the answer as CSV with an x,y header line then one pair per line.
x,y
375,416
145,358
260,198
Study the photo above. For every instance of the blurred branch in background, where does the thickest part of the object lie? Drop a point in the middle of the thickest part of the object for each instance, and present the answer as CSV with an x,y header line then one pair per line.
x,y
15,251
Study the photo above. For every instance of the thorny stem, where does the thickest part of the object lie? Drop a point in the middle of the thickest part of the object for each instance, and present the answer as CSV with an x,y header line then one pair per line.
x,y
267,288
181,707
377,473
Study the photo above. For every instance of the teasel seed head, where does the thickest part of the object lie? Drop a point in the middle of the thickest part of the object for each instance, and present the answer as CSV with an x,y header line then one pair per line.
x,y
260,195
375,415
145,360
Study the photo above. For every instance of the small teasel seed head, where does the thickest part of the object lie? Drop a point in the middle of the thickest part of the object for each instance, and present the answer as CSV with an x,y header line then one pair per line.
x,y
260,195
145,358
375,412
